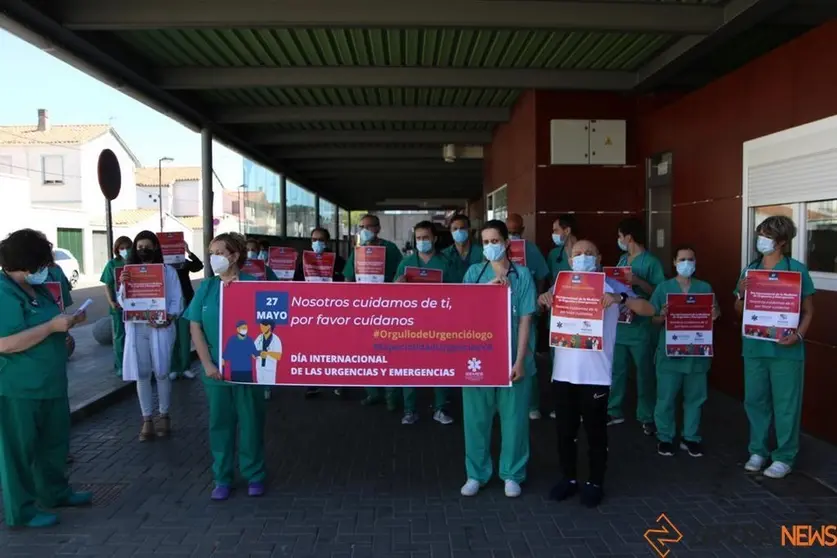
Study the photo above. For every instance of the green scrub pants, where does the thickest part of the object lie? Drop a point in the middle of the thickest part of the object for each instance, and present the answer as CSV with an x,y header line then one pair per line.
x,y
440,399
773,393
641,356
118,339
181,358
381,394
34,443
246,406
479,405
669,383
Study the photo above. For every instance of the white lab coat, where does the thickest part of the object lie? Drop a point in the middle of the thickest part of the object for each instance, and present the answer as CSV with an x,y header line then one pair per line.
x,y
148,348
267,374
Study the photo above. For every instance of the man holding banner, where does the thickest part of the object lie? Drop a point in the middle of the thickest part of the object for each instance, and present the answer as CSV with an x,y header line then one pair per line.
x,y
585,310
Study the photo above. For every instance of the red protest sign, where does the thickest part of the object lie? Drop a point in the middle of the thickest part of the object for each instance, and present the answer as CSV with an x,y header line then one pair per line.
x,y
414,274
772,304
577,320
689,325
282,261
318,268
256,268
144,297
173,246
370,264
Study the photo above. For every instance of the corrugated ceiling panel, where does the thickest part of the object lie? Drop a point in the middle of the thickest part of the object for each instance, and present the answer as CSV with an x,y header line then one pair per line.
x,y
329,96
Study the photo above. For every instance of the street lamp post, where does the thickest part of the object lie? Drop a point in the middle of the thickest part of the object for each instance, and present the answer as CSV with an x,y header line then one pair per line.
x,y
160,186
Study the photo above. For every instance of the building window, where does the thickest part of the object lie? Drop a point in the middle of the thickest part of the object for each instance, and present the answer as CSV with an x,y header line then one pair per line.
x,y
497,206
328,216
343,229
52,169
302,211
258,201
821,236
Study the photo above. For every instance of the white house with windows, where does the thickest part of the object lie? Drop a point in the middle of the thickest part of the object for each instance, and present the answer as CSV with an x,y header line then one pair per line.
x,y
59,165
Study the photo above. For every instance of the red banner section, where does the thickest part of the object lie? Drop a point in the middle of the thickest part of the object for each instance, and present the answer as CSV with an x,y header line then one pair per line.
x,y
689,325
318,268
282,261
145,293
256,268
577,320
55,290
370,264
772,303
352,334
173,246
422,275
517,252
621,274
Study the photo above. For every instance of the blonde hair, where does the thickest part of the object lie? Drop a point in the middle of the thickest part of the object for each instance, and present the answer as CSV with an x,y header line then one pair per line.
x,y
235,243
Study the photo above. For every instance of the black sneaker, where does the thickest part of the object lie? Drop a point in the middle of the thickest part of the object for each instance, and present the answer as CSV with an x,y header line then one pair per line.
x,y
312,392
591,495
649,428
693,448
611,421
563,490
666,449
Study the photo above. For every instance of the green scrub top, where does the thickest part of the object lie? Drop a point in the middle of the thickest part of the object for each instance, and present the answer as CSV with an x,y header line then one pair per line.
x,y
686,365
522,299
754,348
56,275
205,309
459,264
393,258
109,277
558,260
535,262
437,261
270,275
648,267
39,372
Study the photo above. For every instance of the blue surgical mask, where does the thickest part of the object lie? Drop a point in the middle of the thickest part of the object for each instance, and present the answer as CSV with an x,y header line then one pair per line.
x,y
37,278
263,255
251,255
124,253
493,252
424,246
460,236
318,246
765,246
558,239
366,236
583,262
686,268
514,237
622,245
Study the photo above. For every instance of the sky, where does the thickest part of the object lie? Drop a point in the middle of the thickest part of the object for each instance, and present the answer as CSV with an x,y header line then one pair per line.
x,y
33,79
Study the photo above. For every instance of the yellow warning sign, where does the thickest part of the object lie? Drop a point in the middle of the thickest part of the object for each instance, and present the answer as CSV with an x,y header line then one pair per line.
x,y
608,141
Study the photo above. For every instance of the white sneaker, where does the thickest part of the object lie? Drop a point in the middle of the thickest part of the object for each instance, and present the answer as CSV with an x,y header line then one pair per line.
x,y
534,415
470,488
267,395
512,489
777,470
410,418
552,415
754,464
191,374
172,376
442,417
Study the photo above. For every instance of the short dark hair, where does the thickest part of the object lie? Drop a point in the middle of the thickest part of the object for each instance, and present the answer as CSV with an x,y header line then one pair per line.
x,y
121,241
26,250
567,221
461,217
498,226
633,227
684,247
267,322
250,241
322,230
146,235
264,244
375,218
426,225
235,244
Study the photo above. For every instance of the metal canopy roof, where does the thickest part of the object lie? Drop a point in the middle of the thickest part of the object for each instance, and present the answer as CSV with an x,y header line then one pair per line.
x,y
354,100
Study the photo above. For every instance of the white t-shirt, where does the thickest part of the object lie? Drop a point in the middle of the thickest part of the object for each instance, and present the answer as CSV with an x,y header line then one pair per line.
x,y
592,367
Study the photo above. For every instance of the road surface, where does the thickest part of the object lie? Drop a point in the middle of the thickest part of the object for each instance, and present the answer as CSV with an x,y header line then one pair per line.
x,y
99,308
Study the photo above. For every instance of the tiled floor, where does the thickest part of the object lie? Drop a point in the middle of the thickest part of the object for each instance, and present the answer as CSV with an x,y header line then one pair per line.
x,y
347,481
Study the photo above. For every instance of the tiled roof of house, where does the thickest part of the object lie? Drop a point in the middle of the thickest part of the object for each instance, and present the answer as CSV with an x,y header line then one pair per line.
x,y
128,217
71,134
149,176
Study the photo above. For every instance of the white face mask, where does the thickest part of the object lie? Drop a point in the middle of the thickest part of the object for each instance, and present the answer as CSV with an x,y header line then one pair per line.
x,y
219,264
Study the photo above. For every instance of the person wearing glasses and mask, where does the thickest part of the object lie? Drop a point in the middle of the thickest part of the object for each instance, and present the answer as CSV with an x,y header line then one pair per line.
x,y
463,253
774,373
149,345
581,380
426,257
320,240
676,374
231,405
480,404
34,406
370,227
121,251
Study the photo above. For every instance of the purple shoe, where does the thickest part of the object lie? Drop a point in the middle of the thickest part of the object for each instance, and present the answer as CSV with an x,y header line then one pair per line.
x,y
220,493
255,489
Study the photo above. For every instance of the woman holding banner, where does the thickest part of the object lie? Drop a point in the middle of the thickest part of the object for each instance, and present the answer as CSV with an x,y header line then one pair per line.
x,y
229,403
480,404
774,368
149,343
121,251
680,373
34,408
